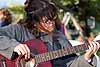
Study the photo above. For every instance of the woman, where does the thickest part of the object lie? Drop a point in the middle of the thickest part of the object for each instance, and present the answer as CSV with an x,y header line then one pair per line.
x,y
41,23
5,17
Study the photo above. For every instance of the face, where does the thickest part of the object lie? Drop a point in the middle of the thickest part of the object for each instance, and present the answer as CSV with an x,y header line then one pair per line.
x,y
1,15
46,25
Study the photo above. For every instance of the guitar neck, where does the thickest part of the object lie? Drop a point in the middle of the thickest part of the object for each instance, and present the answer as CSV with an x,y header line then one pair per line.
x,y
60,53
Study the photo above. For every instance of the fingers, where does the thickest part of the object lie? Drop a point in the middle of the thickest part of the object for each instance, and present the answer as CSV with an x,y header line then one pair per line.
x,y
94,46
98,45
22,49
90,46
27,52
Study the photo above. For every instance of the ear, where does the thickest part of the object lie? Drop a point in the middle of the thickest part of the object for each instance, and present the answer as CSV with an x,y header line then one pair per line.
x,y
35,25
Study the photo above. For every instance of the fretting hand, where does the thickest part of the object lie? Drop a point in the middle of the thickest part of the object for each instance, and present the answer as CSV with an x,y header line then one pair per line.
x,y
93,47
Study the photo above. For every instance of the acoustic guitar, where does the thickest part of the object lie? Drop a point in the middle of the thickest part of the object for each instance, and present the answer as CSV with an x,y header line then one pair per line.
x,y
42,56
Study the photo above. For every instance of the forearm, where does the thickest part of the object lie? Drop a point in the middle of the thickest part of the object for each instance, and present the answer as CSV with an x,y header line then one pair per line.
x,y
7,41
7,46
92,63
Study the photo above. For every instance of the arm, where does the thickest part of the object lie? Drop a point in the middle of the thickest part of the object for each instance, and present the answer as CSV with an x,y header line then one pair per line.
x,y
9,42
88,58
81,62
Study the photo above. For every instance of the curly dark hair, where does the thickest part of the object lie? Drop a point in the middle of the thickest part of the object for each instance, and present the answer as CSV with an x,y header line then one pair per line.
x,y
36,9
7,14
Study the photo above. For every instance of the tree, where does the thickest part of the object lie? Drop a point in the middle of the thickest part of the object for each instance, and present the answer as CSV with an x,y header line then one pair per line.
x,y
17,11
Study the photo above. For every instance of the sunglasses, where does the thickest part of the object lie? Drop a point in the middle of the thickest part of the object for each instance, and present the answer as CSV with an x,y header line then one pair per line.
x,y
47,20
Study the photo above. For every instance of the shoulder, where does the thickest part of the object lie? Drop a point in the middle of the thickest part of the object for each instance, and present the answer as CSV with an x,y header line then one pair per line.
x,y
62,38
60,34
12,26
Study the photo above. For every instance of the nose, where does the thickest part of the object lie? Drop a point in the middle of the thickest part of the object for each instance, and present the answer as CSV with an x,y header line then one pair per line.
x,y
49,22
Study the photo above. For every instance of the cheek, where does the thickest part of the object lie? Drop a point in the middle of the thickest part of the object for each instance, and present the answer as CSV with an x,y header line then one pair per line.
x,y
48,26
1,16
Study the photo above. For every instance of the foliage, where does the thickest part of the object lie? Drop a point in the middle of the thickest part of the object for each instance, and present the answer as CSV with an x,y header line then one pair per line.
x,y
83,8
17,11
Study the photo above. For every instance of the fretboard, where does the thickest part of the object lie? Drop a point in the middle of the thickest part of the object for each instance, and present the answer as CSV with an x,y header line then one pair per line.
x,y
60,53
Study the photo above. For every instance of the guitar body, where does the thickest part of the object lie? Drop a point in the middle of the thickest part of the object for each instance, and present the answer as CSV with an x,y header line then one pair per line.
x,y
35,45
4,62
39,47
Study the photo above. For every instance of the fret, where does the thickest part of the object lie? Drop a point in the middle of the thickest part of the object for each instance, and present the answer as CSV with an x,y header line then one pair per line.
x,y
70,49
76,49
81,48
51,55
62,52
86,46
66,51
73,50
59,53
48,56
55,54
45,57
42,57
37,59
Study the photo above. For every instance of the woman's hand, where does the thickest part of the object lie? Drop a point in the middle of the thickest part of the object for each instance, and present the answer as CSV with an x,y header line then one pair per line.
x,y
23,50
93,47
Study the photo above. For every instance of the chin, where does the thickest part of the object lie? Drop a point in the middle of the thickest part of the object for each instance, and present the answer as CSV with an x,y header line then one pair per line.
x,y
49,31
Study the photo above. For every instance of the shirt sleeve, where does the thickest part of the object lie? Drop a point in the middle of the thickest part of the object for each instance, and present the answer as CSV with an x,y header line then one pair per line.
x,y
81,62
7,43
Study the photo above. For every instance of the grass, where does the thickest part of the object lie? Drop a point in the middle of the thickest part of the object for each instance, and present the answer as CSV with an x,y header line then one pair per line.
x,y
98,53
